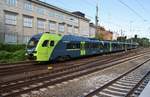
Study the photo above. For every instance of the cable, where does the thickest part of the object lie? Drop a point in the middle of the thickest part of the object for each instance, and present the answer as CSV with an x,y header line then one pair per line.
x,y
141,5
131,9
84,2
89,3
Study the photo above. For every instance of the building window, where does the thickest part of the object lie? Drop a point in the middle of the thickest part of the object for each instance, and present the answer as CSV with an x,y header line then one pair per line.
x,y
26,39
76,30
28,21
52,25
51,14
11,18
41,24
28,6
40,10
59,16
69,28
10,38
11,2
61,27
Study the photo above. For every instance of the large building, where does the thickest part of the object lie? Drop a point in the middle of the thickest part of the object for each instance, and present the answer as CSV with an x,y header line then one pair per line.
x,y
104,34
92,30
20,19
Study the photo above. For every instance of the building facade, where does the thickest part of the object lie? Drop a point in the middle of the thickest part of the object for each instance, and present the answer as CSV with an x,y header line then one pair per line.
x,y
92,30
107,35
104,34
20,19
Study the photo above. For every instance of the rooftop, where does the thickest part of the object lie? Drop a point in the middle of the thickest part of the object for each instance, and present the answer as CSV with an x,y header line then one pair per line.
x,y
58,9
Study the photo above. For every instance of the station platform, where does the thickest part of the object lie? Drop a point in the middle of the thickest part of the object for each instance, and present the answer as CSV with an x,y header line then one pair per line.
x,y
146,91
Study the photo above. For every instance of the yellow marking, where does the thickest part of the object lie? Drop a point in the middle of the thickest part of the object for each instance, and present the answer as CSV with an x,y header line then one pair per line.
x,y
50,67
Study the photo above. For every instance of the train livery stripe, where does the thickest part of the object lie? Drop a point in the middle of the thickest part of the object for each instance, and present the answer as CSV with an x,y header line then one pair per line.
x,y
110,46
82,51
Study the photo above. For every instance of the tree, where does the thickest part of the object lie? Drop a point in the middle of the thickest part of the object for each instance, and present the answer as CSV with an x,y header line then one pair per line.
x,y
144,42
121,38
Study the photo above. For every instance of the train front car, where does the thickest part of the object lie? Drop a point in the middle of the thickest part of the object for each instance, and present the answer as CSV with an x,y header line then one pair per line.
x,y
41,46
31,46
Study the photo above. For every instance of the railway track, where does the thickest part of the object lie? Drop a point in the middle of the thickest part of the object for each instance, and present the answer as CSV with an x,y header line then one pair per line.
x,y
129,84
22,86
10,65
9,69
32,66
64,67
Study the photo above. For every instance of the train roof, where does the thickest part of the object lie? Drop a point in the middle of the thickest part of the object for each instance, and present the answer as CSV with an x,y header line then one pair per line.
x,y
78,38
69,38
37,36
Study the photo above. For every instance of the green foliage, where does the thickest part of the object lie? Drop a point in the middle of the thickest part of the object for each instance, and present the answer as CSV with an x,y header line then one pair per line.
x,y
12,53
5,55
11,47
143,42
121,39
19,55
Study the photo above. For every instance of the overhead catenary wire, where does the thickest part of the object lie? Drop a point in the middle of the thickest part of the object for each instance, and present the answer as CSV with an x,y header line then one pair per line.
x,y
141,5
131,9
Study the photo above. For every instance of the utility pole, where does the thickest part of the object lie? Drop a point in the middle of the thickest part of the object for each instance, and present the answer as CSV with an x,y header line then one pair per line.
x,y
96,20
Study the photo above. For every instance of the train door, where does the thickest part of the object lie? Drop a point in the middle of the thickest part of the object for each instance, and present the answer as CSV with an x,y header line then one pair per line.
x,y
46,50
82,48
43,51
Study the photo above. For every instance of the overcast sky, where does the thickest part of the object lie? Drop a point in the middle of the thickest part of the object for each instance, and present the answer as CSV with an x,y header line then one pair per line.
x,y
127,16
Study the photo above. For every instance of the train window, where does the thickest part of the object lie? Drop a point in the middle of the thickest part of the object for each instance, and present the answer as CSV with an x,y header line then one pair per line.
x,y
93,45
106,45
96,45
73,46
87,45
52,43
45,43
101,45
78,45
115,45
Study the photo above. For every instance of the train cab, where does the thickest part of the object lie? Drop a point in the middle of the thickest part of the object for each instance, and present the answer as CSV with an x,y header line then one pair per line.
x,y
31,46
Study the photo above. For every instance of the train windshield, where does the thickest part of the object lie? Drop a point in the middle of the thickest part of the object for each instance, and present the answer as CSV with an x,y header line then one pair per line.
x,y
33,41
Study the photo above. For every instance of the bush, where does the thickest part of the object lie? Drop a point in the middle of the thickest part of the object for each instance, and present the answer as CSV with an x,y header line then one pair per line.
x,y
11,47
19,55
12,53
5,55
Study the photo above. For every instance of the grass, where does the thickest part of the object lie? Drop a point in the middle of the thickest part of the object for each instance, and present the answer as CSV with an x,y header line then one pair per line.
x,y
12,53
